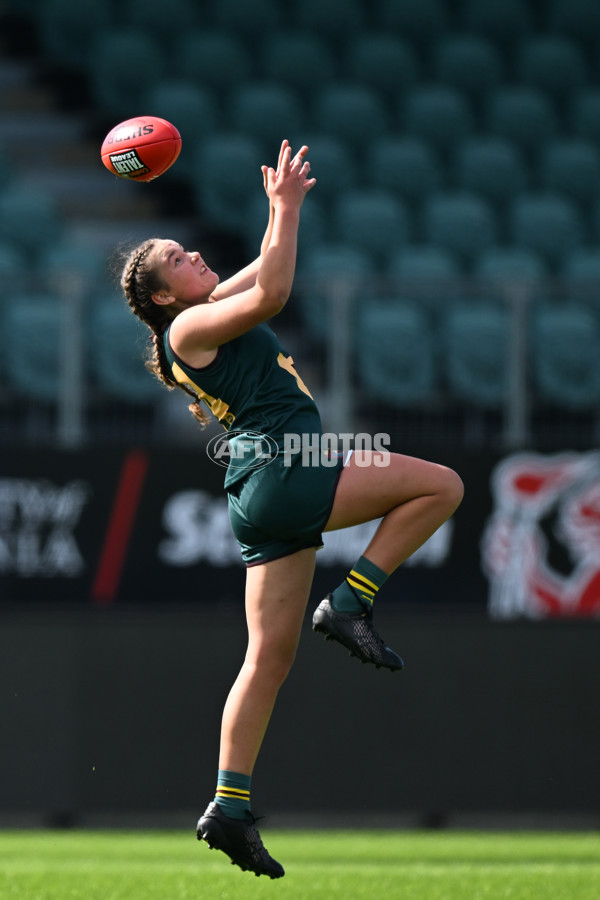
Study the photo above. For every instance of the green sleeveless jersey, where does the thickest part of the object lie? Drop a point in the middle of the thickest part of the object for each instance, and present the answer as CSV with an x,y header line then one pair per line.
x,y
251,387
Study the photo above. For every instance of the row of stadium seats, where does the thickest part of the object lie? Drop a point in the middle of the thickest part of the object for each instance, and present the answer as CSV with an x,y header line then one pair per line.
x,y
401,360
420,21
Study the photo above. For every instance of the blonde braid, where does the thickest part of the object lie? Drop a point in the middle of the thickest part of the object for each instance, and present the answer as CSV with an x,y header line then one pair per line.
x,y
139,281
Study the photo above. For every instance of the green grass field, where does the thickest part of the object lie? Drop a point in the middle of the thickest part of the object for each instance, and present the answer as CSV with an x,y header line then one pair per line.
x,y
320,865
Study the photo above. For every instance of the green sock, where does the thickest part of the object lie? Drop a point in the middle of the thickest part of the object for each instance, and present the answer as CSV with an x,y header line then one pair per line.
x,y
233,793
357,592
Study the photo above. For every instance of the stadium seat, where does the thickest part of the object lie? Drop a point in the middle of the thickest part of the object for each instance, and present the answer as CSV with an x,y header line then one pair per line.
x,y
523,115
29,219
337,20
418,21
32,348
324,270
383,61
475,353
332,162
408,166
469,63
436,114
565,354
491,167
395,354
571,167
546,224
576,19
149,16
117,348
427,275
250,19
124,64
503,268
502,21
266,113
584,115
212,58
66,29
231,176
371,219
192,109
88,262
350,112
459,222
15,273
552,64
580,272
301,60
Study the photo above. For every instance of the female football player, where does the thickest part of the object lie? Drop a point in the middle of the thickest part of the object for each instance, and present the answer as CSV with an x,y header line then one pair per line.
x,y
211,340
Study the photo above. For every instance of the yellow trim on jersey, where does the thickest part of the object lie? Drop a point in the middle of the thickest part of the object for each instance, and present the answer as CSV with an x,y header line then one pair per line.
x,y
218,408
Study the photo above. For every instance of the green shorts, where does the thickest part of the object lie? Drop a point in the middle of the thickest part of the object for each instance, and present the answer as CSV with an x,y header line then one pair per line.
x,y
278,509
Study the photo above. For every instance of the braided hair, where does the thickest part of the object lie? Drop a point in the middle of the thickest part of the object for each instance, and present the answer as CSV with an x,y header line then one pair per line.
x,y
139,280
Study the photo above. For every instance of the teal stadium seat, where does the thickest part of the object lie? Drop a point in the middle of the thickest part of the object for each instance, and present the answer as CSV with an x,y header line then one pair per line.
x,y
266,112
332,163
584,115
117,348
32,346
61,260
395,354
552,64
213,58
523,115
545,224
382,61
371,219
336,20
29,219
325,269
565,354
15,272
250,19
502,21
475,354
351,112
66,30
407,166
301,60
580,273
124,64
576,19
469,63
231,177
428,275
571,167
192,109
418,21
459,222
504,268
437,114
149,17
491,167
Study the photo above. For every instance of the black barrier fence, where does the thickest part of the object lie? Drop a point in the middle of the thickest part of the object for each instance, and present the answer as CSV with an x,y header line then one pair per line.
x,y
114,714
121,630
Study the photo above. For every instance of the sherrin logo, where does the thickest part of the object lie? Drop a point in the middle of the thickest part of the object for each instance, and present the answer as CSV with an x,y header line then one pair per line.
x,y
251,447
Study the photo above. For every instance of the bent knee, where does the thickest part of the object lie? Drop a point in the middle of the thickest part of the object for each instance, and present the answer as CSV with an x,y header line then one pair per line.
x,y
452,489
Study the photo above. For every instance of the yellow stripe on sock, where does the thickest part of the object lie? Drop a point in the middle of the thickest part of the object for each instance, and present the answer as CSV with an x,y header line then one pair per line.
x,y
360,587
233,792
366,580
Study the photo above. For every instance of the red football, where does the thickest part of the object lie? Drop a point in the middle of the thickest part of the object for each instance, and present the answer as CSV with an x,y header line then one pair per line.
x,y
141,148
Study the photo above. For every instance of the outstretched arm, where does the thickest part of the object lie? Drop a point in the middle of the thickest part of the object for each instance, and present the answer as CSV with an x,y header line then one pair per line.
x,y
246,277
